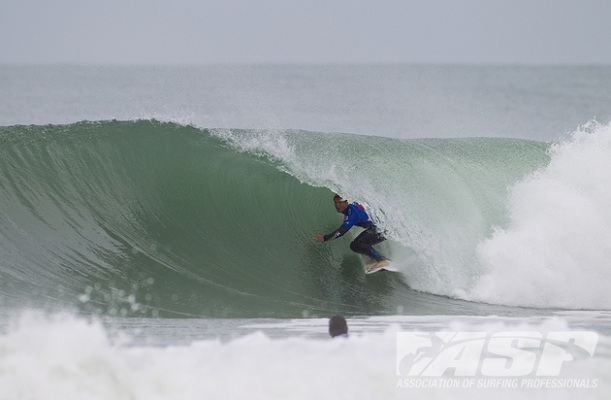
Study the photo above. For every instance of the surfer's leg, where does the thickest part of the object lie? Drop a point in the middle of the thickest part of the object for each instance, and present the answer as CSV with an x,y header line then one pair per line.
x,y
363,244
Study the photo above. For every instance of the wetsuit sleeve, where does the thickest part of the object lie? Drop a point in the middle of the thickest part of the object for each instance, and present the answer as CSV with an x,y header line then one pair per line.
x,y
350,219
336,233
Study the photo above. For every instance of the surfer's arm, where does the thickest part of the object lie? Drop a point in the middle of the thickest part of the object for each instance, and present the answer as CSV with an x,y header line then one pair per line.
x,y
350,219
336,233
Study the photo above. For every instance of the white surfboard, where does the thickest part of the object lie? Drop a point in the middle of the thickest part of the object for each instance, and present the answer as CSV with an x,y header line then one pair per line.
x,y
390,267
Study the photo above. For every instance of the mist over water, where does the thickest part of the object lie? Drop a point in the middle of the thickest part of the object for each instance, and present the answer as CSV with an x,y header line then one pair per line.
x,y
402,101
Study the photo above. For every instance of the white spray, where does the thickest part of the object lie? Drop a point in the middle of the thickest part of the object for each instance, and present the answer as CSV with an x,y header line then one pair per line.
x,y
556,249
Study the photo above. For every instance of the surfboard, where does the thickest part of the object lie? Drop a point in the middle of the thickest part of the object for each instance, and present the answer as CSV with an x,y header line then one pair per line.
x,y
390,268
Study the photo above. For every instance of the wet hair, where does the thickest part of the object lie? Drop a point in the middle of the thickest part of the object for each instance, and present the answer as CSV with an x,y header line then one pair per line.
x,y
337,326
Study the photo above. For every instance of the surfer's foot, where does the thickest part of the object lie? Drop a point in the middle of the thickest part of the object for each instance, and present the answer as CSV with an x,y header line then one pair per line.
x,y
378,265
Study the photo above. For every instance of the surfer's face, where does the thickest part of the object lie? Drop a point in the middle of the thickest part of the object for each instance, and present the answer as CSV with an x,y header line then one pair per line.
x,y
340,205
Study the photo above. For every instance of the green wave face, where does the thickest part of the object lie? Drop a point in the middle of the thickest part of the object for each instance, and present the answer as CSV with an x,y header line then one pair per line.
x,y
158,219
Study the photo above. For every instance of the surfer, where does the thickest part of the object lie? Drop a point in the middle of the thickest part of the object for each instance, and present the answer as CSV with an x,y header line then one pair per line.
x,y
338,327
355,214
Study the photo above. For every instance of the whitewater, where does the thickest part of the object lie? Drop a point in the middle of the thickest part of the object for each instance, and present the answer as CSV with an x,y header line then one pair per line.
x,y
155,230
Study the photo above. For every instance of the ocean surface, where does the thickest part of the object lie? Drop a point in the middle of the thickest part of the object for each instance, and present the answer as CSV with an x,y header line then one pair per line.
x,y
156,222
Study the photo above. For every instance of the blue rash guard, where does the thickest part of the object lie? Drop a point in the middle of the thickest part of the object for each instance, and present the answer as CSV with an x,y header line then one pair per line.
x,y
355,214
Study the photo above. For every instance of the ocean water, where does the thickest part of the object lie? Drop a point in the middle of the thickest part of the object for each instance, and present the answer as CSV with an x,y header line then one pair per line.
x,y
155,228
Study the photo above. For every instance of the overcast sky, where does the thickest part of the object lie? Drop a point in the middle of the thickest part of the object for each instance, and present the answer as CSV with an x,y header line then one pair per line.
x,y
305,31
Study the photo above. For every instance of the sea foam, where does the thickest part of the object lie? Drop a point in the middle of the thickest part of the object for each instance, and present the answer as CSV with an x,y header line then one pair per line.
x,y
556,248
66,357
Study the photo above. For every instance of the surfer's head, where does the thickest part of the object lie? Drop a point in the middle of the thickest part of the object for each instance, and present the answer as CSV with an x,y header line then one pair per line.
x,y
340,203
338,326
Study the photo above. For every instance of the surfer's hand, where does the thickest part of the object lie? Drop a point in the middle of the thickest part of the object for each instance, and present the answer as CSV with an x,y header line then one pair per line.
x,y
318,238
